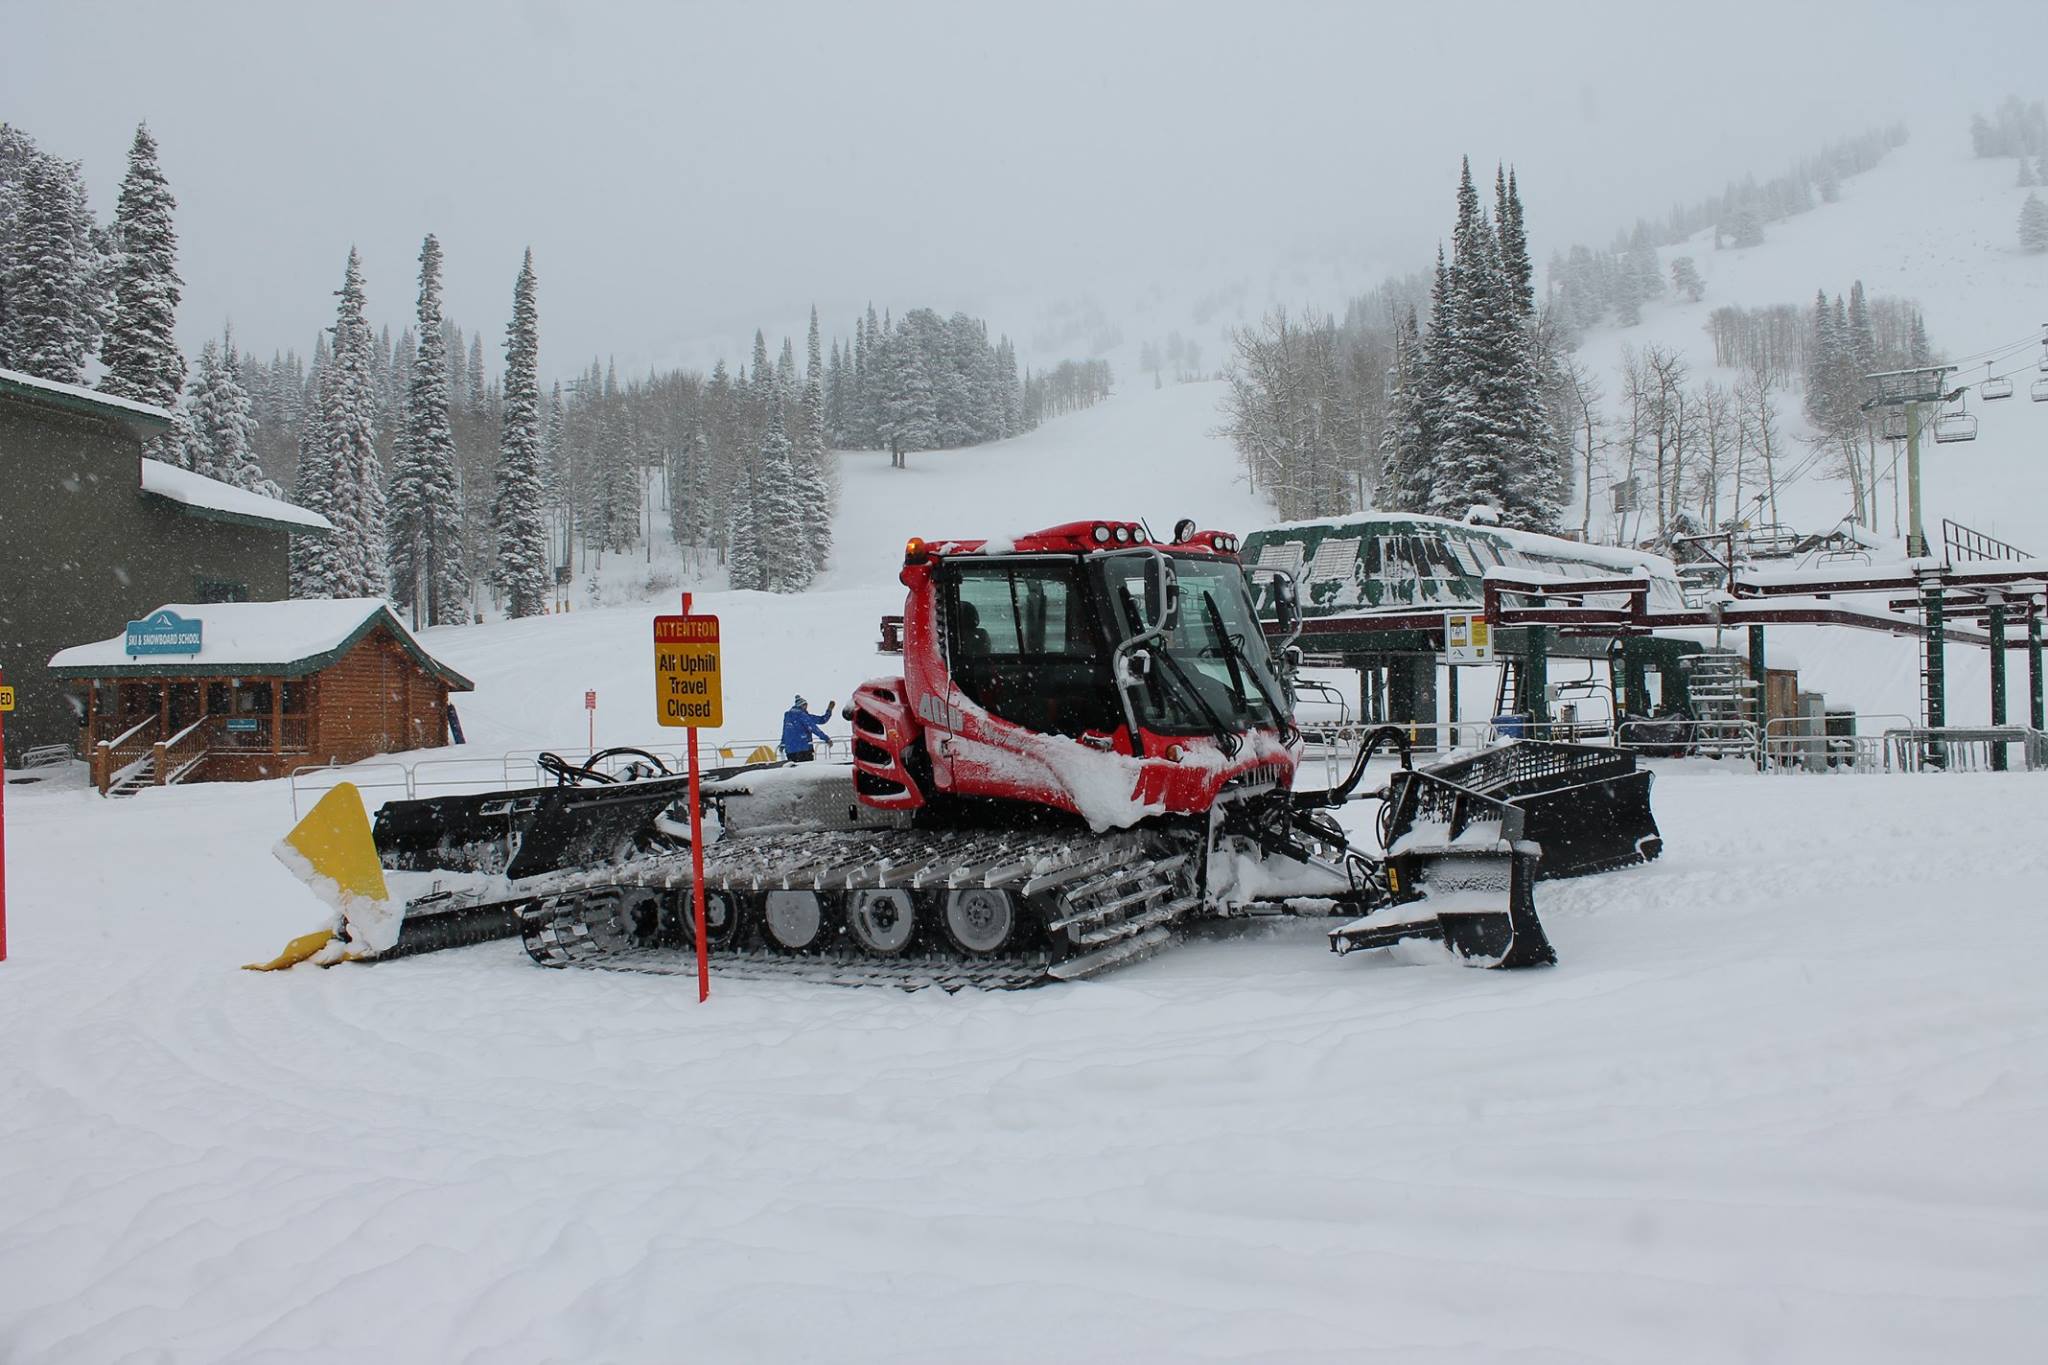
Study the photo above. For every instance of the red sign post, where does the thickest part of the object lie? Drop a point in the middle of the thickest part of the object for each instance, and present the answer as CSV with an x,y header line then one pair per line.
x,y
590,710
689,692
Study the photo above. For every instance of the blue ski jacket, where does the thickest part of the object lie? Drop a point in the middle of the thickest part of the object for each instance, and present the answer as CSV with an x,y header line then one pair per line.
x,y
800,728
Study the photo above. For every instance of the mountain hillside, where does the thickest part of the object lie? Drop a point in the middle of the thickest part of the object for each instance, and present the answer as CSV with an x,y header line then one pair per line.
x,y
1931,224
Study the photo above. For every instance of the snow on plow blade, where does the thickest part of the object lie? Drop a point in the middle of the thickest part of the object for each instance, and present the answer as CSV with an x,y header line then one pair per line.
x,y
333,851
1468,883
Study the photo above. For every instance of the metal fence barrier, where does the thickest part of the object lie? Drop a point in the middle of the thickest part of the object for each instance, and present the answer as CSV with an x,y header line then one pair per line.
x,y
1966,748
1804,744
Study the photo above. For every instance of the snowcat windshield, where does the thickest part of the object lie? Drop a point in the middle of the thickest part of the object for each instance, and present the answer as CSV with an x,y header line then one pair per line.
x,y
1217,663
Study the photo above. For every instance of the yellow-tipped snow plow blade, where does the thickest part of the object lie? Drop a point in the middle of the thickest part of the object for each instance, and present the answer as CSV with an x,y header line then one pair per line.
x,y
331,850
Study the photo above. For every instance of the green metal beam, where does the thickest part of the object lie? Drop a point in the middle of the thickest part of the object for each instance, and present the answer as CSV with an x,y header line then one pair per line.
x,y
1759,673
2034,668
1536,675
1995,620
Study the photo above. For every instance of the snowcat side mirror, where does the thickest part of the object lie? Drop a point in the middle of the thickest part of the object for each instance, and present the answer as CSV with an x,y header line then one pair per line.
x,y
1290,658
1286,606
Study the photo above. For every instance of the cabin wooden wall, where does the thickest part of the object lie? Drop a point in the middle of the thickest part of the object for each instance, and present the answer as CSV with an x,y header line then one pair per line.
x,y
375,700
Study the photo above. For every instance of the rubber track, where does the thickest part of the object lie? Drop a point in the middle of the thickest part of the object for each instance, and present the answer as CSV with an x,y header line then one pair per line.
x,y
1115,897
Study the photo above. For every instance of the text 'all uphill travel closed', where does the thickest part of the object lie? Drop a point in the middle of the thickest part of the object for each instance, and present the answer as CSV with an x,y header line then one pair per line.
x,y
687,687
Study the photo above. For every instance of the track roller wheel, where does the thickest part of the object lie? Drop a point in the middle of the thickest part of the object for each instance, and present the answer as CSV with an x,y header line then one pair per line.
x,y
721,919
793,921
882,922
638,913
980,920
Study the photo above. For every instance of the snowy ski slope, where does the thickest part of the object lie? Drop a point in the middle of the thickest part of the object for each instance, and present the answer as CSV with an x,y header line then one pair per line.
x,y
1932,224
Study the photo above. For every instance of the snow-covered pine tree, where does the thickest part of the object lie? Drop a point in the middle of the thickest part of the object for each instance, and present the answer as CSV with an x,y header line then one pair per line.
x,y
1519,271
219,426
780,521
744,567
478,383
140,349
345,458
817,479
835,395
613,519
1685,278
909,406
1405,446
2034,224
1492,430
785,373
428,574
1862,339
312,556
51,277
520,570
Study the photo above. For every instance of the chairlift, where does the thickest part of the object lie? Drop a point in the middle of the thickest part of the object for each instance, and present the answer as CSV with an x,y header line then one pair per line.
x,y
1991,389
2039,392
1894,428
1955,426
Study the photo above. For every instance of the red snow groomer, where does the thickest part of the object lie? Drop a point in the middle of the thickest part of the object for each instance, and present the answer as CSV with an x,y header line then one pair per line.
x,y
1091,741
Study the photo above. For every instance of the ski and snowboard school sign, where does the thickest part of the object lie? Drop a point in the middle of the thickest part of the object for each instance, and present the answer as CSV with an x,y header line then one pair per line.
x,y
163,632
688,690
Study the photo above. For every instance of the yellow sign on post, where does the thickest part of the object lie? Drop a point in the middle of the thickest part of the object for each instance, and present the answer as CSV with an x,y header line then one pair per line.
x,y
6,699
1467,638
687,687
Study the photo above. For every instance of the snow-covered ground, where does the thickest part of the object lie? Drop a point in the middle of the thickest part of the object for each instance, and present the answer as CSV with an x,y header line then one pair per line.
x,y
1778,1101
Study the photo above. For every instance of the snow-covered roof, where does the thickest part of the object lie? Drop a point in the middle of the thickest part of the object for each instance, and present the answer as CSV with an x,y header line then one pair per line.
x,y
76,396
212,498
1529,542
290,638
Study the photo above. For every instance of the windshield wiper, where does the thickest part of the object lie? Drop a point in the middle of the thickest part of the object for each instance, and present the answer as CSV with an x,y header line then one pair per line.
x,y
1234,655
1226,738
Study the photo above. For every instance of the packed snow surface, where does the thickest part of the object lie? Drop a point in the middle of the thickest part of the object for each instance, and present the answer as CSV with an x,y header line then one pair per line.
x,y
1778,1101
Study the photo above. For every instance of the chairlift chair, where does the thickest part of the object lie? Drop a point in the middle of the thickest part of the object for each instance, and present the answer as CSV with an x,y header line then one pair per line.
x,y
1995,388
1955,426
2040,391
1894,428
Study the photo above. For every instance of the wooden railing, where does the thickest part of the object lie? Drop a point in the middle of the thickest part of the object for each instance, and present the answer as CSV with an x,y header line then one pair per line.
x,y
113,759
183,752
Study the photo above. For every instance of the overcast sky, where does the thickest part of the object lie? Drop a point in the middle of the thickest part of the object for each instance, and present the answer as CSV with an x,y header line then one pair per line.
x,y
686,172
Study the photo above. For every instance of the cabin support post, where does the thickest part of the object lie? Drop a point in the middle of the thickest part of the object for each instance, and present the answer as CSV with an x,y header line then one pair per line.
x,y
1994,620
1760,674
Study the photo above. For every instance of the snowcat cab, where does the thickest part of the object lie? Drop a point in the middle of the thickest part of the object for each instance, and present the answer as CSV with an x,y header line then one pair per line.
x,y
1083,669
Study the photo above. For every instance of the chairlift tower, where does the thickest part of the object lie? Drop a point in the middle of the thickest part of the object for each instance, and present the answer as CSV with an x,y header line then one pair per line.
x,y
1909,389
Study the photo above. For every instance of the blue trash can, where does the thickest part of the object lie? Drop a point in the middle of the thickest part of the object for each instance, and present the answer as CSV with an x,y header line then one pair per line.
x,y
1511,726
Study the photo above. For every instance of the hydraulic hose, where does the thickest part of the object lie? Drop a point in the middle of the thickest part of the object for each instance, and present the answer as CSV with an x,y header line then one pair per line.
x,y
1339,794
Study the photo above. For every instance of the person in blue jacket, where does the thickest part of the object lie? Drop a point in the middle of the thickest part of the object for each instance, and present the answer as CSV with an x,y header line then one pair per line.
x,y
800,728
